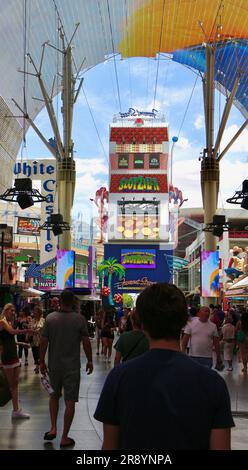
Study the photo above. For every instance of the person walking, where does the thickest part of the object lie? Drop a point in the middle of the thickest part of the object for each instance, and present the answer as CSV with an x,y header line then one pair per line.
x,y
22,324
132,343
163,399
62,334
10,360
36,325
203,336
228,338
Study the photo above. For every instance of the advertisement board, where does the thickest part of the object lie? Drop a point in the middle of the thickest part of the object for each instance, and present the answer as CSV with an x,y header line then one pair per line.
x,y
210,284
65,269
138,258
28,226
139,183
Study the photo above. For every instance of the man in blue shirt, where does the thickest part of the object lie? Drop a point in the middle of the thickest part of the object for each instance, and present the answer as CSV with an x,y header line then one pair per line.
x,y
163,399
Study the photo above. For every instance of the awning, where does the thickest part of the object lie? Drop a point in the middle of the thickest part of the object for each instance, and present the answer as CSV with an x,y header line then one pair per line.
x,y
32,292
242,283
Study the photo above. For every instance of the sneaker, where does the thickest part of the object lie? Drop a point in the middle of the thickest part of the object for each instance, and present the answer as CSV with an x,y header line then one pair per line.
x,y
19,414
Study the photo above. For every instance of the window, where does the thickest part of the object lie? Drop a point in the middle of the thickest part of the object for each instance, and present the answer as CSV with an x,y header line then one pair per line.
x,y
138,160
123,161
154,160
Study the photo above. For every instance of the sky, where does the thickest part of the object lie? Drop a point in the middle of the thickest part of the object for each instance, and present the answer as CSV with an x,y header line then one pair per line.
x,y
137,89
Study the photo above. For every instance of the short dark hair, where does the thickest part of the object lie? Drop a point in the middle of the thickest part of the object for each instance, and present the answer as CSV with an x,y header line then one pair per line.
x,y
67,298
162,310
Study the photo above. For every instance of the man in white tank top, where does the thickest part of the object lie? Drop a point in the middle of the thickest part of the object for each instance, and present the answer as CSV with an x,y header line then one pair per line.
x,y
203,337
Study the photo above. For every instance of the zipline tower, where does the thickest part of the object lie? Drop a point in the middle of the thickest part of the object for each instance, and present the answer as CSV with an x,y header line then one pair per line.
x,y
60,147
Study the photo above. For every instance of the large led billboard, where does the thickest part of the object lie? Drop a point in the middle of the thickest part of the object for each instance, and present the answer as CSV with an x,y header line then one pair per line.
x,y
210,284
65,269
139,259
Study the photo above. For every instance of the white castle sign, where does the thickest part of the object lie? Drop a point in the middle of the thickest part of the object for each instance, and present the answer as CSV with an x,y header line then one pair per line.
x,y
44,171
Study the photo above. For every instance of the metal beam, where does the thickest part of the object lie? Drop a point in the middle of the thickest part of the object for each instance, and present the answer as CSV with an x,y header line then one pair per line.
x,y
52,116
32,124
235,137
68,101
225,115
209,96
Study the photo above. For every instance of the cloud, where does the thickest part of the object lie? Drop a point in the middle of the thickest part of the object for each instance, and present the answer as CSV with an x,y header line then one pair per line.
x,y
199,122
183,143
187,178
86,186
93,166
241,144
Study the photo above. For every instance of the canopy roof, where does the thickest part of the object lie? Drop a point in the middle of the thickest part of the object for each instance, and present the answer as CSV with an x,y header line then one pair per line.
x,y
130,27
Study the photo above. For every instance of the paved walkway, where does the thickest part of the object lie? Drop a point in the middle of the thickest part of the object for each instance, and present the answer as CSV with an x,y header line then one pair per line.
x,y
28,434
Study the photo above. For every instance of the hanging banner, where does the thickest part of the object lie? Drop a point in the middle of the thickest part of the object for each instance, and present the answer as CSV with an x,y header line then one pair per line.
x,y
44,171
210,282
65,269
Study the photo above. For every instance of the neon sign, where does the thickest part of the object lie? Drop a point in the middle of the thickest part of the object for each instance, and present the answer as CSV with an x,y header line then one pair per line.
x,y
141,259
139,183
135,112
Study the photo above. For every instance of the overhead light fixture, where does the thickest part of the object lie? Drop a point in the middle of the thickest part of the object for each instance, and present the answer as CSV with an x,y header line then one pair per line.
x,y
218,226
56,224
240,197
23,194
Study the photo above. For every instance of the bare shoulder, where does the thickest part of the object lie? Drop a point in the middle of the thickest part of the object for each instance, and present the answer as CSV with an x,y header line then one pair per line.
x,y
3,323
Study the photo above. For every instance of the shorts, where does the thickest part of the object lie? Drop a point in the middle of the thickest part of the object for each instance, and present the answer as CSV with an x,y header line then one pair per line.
x,y
68,380
228,351
11,366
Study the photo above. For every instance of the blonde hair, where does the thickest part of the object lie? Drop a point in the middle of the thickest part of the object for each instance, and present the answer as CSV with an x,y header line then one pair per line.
x,y
5,308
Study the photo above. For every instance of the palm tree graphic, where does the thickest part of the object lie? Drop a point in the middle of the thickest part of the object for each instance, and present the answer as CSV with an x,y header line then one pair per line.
x,y
110,267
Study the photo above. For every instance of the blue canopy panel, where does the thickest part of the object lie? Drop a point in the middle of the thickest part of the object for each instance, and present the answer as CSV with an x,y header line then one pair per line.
x,y
231,57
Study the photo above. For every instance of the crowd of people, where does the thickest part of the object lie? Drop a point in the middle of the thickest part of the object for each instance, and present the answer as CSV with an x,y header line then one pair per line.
x,y
163,359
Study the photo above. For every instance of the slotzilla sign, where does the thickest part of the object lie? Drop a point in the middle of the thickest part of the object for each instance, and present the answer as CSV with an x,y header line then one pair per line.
x,y
139,184
141,259
44,171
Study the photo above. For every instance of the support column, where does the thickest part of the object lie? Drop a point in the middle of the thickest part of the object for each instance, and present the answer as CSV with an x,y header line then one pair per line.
x,y
66,177
66,170
209,166
210,190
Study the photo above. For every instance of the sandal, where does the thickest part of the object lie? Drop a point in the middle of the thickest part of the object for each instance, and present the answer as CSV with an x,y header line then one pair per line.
x,y
70,442
48,436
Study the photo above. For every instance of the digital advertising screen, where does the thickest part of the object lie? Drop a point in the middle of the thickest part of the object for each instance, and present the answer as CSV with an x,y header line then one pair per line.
x,y
210,284
28,226
65,269
138,258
